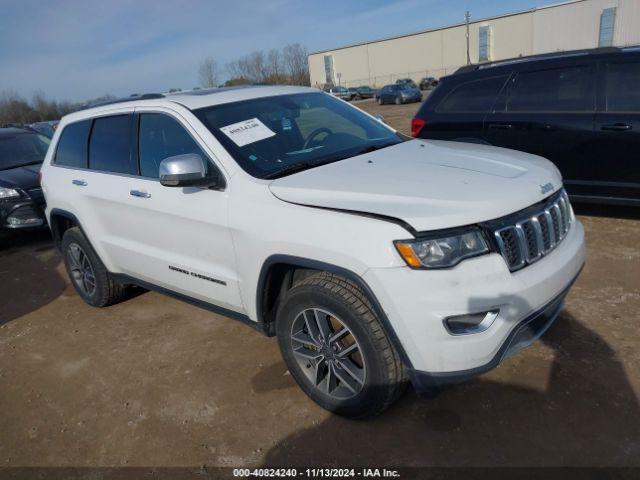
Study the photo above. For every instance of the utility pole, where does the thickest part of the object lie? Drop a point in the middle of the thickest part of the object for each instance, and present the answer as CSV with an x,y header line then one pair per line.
x,y
467,17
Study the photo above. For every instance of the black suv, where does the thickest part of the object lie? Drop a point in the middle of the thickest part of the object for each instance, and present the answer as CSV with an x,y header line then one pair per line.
x,y
21,201
579,109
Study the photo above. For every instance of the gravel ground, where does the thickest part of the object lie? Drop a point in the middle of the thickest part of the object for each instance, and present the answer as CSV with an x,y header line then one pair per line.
x,y
156,382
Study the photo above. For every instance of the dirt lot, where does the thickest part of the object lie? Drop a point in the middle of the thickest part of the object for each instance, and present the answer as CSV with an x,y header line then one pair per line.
x,y
156,382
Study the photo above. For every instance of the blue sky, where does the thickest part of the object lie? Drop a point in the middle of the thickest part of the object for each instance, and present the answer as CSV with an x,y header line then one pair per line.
x,y
75,49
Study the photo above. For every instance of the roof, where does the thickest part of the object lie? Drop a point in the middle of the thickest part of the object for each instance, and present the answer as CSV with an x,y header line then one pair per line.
x,y
191,99
453,25
14,130
206,98
546,56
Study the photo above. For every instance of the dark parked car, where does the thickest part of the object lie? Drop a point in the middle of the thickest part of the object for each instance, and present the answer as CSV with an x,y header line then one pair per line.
x,y
363,92
21,201
406,81
340,92
398,93
45,128
579,109
428,82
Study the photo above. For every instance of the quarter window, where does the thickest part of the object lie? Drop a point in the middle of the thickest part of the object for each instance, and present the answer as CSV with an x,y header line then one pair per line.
x,y
110,144
555,90
622,80
476,96
160,137
72,146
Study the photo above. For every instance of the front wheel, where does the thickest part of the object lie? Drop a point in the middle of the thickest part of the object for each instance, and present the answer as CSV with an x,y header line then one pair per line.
x,y
398,101
87,273
336,348
379,101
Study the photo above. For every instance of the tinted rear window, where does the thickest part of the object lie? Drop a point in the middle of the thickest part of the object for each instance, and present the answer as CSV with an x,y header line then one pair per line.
x,y
569,89
72,146
110,144
475,96
622,81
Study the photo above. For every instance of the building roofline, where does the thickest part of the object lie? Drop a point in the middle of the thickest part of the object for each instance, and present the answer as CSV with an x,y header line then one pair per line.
x,y
453,25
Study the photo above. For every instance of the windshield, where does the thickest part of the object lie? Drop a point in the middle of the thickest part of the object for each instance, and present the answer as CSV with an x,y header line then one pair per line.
x,y
274,136
22,148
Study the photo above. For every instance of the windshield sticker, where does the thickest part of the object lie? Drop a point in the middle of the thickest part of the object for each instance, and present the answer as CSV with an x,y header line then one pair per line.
x,y
247,131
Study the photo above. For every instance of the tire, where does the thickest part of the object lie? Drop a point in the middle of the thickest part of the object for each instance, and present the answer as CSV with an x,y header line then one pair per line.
x,y
398,101
379,101
82,264
379,377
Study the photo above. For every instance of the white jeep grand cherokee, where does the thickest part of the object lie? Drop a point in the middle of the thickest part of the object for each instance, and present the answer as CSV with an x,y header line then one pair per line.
x,y
372,258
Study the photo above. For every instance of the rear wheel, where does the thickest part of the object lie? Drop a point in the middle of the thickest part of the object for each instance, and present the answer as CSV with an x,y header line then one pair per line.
x,y
88,274
336,349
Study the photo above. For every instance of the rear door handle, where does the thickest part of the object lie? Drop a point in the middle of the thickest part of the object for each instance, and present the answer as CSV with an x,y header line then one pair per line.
x,y
140,193
616,127
80,183
500,126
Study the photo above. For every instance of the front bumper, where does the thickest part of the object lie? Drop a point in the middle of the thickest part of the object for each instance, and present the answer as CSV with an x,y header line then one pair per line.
x,y
416,302
22,213
524,334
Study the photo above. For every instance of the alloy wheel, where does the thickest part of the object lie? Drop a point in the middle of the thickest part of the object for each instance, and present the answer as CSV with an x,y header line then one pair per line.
x,y
328,353
81,269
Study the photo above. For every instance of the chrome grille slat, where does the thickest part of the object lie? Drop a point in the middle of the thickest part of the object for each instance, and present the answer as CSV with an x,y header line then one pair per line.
x,y
530,238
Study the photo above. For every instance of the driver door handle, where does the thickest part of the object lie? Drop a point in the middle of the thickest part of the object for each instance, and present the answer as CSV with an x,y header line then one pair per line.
x,y
139,193
79,183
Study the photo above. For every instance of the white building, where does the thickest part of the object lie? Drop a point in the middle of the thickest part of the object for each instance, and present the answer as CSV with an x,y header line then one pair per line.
x,y
572,25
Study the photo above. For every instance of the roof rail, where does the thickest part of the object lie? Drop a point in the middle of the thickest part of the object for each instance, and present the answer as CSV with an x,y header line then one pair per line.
x,y
541,56
135,96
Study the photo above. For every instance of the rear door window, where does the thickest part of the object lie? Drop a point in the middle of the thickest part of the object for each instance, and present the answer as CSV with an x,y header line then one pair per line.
x,y
110,144
160,137
475,96
72,146
621,87
568,89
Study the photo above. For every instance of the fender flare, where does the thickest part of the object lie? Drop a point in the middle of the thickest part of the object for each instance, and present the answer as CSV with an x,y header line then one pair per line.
x,y
54,229
343,272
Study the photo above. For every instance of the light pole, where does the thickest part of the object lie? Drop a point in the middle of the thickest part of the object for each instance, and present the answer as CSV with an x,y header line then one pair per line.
x,y
339,75
466,22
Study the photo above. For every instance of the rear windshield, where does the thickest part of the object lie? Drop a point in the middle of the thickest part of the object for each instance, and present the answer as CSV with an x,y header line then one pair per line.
x,y
273,134
20,149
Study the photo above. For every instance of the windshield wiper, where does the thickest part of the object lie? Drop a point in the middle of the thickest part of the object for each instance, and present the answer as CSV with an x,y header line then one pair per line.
x,y
292,168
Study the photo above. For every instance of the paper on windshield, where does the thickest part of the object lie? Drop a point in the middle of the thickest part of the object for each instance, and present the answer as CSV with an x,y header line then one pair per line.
x,y
247,131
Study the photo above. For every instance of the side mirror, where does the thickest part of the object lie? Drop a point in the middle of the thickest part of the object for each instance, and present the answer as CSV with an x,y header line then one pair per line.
x,y
186,170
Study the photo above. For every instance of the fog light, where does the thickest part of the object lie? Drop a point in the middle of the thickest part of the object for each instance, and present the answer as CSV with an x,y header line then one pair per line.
x,y
470,323
16,222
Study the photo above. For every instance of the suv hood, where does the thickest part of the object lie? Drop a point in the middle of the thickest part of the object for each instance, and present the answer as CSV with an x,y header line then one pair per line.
x,y
428,184
25,177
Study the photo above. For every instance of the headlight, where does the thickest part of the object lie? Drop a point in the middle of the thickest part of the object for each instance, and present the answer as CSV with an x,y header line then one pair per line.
x,y
442,252
8,193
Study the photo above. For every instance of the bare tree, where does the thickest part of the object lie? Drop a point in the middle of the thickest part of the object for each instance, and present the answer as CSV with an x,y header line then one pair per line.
x,y
289,66
208,73
296,63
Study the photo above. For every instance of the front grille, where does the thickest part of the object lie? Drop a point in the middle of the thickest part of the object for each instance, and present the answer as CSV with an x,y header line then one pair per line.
x,y
529,238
